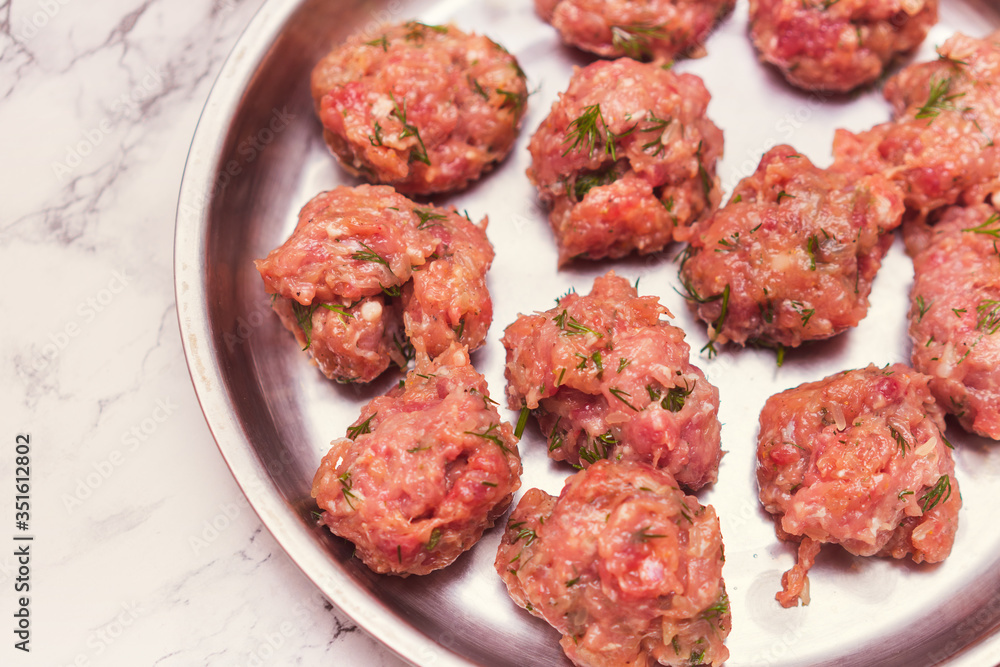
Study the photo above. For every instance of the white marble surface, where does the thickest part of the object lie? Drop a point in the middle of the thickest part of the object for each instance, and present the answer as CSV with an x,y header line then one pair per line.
x,y
144,550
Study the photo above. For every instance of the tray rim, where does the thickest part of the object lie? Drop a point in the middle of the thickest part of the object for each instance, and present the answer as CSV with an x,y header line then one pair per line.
x,y
218,408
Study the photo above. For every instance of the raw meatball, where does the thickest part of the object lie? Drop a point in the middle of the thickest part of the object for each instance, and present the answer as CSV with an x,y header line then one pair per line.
x,y
858,459
422,472
626,160
424,108
793,254
837,45
607,379
365,263
955,314
942,144
660,30
624,565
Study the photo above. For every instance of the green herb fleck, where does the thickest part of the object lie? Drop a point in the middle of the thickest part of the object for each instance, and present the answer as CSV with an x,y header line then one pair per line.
x,y
812,246
940,492
346,487
620,394
988,319
522,421
938,100
512,99
634,40
382,41
900,440
428,218
362,428
479,90
369,255
409,130
644,536
922,307
492,435
434,539
674,400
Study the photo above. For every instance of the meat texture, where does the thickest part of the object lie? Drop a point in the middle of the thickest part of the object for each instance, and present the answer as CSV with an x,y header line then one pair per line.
x,y
626,160
658,30
793,254
422,472
607,379
366,264
955,314
837,45
942,145
858,459
424,108
624,565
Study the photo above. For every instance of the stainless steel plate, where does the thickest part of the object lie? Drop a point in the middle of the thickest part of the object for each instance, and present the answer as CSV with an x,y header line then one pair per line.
x,y
258,156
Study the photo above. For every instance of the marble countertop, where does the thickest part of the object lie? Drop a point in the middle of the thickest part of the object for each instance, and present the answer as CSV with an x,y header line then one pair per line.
x,y
143,549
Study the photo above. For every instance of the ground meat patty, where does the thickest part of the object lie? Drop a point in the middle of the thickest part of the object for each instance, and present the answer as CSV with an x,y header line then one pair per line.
x,y
422,472
837,45
624,565
660,30
955,314
366,263
626,159
607,379
858,459
793,254
942,144
423,108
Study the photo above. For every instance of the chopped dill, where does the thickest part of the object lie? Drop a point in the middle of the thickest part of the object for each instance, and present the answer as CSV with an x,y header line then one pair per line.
x,y
382,41
346,487
812,246
434,539
369,255
989,316
620,394
634,40
512,99
922,307
479,90
491,435
428,218
900,440
522,421
409,130
938,100
584,132
644,536
362,428
940,492
674,400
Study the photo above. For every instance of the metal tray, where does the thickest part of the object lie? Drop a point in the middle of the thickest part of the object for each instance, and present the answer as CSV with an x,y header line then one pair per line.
x,y
257,157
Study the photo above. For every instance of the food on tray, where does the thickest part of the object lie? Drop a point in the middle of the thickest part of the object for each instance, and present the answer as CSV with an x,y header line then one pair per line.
x,y
654,29
366,263
624,565
793,254
858,459
837,45
955,313
607,379
941,144
423,471
425,108
626,160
